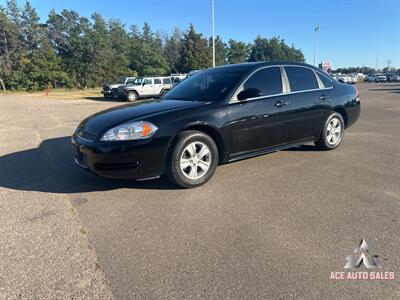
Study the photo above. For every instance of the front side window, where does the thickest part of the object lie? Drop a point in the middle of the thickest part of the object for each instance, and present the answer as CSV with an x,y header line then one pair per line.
x,y
157,81
301,79
267,80
147,81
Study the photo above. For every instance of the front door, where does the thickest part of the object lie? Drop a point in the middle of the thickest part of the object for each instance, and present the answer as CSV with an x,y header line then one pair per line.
x,y
260,122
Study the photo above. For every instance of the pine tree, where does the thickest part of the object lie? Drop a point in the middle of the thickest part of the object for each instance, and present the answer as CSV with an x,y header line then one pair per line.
x,y
171,49
237,52
194,53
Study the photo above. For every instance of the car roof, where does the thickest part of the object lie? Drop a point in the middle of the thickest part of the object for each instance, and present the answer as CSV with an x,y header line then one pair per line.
x,y
256,65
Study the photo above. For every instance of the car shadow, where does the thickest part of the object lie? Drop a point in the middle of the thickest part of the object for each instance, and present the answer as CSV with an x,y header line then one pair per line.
x,y
50,168
304,148
102,99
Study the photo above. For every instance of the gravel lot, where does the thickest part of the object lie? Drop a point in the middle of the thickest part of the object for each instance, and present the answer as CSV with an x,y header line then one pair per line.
x,y
274,226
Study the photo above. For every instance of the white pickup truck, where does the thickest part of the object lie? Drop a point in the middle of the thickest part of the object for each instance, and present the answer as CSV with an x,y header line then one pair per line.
x,y
145,87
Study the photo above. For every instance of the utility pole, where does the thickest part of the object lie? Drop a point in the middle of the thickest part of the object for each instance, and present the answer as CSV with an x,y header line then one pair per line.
x,y
316,41
389,61
213,32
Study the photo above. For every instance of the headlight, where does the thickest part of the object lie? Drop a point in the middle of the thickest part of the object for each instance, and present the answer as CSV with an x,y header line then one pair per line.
x,y
130,131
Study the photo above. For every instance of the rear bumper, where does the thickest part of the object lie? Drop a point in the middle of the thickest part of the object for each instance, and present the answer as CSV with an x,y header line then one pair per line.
x,y
125,160
353,112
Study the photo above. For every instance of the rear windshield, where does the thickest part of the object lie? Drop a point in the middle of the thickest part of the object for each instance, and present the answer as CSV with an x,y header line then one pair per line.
x,y
208,85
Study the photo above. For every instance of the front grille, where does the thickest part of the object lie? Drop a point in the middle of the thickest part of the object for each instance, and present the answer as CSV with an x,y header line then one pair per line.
x,y
85,135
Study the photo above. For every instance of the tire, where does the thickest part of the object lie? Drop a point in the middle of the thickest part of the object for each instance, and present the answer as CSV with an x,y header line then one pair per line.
x,y
186,167
131,96
329,140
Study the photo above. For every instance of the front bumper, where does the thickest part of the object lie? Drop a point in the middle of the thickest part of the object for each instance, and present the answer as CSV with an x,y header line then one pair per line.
x,y
125,160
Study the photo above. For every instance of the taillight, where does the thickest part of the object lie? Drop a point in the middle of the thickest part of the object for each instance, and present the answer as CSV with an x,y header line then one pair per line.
x,y
357,95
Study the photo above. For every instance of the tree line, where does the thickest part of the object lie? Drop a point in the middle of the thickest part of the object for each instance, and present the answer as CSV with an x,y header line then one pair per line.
x,y
69,50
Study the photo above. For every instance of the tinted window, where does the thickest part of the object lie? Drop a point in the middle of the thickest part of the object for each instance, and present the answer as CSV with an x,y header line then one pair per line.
x,y
268,80
130,81
147,81
166,80
325,80
208,85
157,81
301,79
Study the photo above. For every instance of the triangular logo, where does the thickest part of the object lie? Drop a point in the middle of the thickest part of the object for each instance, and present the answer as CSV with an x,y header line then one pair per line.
x,y
360,258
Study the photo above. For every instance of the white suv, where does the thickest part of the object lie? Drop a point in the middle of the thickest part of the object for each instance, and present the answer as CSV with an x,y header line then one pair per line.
x,y
145,87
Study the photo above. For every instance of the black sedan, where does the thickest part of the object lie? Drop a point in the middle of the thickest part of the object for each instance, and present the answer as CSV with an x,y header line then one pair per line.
x,y
216,116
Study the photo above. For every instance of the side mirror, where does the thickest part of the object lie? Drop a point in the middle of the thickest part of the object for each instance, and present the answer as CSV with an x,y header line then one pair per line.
x,y
144,83
249,93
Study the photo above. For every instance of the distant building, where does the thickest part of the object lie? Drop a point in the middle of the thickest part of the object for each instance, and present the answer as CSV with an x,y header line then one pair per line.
x,y
326,66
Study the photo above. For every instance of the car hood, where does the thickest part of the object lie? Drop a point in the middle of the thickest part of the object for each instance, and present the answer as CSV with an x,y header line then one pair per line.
x,y
115,86
104,120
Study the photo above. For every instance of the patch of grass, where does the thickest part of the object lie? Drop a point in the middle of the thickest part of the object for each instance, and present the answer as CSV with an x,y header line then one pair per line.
x,y
60,93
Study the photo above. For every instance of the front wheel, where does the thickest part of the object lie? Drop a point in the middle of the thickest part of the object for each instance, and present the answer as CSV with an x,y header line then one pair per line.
x,y
193,159
131,96
332,133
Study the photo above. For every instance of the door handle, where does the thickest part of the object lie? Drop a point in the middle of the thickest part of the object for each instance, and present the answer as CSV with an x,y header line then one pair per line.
x,y
281,103
323,97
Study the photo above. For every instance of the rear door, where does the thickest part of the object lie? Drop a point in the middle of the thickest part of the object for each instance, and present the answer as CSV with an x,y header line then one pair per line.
x,y
157,86
309,102
260,122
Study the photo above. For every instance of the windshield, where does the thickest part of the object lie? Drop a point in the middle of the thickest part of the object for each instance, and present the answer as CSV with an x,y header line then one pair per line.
x,y
208,85
122,80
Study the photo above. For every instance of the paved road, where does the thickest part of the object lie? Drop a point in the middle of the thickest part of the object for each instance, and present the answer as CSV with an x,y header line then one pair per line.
x,y
274,226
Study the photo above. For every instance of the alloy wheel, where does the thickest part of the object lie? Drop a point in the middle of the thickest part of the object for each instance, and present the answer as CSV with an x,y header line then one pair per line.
x,y
333,131
195,160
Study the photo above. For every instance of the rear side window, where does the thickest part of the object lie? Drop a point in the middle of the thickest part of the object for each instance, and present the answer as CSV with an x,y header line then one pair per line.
x,y
301,79
130,81
157,81
166,80
325,80
268,80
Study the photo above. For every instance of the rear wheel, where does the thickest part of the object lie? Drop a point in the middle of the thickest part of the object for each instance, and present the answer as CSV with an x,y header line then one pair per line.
x,y
131,96
193,159
332,133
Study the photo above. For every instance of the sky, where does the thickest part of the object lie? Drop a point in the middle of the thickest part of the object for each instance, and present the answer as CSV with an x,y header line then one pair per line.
x,y
352,33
